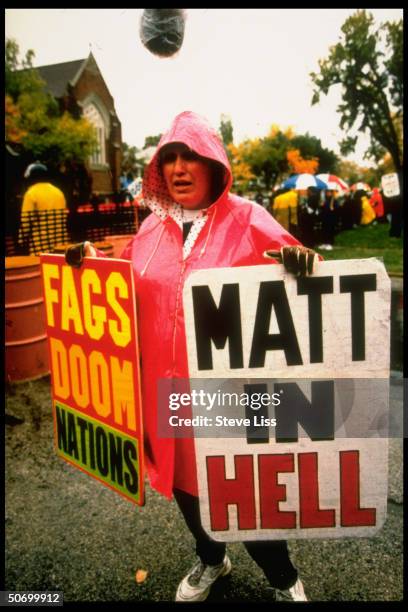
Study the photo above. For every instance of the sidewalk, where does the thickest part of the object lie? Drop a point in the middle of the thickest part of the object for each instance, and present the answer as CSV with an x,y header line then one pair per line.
x,y
65,531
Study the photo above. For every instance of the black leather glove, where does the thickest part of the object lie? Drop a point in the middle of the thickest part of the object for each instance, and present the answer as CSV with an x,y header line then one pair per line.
x,y
74,254
298,260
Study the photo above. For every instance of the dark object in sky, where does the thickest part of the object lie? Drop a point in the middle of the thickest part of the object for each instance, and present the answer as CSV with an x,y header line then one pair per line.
x,y
162,30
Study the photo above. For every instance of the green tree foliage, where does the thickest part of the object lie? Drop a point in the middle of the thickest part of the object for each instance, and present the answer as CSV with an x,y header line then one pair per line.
x,y
226,130
33,118
311,147
266,158
353,173
152,141
367,64
130,162
20,76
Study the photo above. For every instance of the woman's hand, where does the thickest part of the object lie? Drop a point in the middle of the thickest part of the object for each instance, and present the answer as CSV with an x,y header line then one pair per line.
x,y
74,255
298,260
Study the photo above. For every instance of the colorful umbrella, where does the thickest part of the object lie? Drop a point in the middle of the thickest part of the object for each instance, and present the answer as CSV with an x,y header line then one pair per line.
x,y
360,185
333,182
303,181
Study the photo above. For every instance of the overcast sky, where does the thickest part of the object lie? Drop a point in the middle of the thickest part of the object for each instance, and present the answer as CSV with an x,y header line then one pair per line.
x,y
250,64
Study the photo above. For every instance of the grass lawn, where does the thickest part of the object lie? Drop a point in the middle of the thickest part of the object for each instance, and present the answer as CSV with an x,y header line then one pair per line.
x,y
371,241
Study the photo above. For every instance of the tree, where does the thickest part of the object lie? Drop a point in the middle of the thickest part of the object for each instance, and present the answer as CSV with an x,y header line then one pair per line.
x,y
130,162
372,83
152,141
33,119
349,171
226,130
299,165
20,76
354,173
311,148
267,156
241,170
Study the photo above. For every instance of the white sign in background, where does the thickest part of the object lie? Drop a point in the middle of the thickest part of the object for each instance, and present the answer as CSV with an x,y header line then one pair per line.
x,y
390,185
354,509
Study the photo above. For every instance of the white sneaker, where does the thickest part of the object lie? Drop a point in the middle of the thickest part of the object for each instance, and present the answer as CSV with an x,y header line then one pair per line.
x,y
294,593
197,584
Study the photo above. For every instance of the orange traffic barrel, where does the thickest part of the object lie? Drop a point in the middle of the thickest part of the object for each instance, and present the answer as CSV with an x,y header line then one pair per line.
x,y
106,247
25,322
119,242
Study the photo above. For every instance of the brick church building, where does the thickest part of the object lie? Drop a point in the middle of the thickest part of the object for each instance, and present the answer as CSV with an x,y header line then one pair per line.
x,y
81,90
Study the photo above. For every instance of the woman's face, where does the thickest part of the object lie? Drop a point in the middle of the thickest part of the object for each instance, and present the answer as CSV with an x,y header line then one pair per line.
x,y
187,175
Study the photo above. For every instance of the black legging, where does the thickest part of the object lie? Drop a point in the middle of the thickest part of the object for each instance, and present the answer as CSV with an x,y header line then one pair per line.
x,y
271,556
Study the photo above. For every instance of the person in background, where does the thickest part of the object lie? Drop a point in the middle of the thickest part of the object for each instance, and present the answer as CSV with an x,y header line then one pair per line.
x,y
196,223
308,213
377,203
346,212
43,221
357,206
259,198
328,217
393,209
367,211
285,210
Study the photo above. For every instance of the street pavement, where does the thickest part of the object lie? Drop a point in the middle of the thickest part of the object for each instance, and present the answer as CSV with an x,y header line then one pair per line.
x,y
66,532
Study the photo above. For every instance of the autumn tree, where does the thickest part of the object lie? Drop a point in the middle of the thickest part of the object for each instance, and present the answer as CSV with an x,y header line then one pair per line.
x,y
241,170
367,64
352,173
33,119
311,148
299,165
267,156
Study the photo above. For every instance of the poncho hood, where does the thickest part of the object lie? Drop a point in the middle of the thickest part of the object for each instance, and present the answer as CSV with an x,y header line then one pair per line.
x,y
196,133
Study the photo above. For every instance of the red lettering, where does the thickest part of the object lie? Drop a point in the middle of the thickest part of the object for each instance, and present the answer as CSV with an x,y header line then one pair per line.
x,y
239,491
310,513
351,513
271,492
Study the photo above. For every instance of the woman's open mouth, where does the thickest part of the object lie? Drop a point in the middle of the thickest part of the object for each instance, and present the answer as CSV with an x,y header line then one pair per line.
x,y
181,185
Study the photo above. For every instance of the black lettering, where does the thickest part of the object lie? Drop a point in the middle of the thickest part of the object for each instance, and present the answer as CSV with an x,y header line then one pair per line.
x,y
272,293
91,445
61,428
72,437
357,285
101,451
316,417
116,463
131,479
84,426
218,324
256,434
314,287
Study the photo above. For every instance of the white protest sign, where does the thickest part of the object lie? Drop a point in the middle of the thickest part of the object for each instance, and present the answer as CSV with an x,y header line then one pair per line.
x,y
319,349
390,185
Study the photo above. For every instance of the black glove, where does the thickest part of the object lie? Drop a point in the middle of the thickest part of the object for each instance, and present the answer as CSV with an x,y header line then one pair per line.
x,y
75,254
298,260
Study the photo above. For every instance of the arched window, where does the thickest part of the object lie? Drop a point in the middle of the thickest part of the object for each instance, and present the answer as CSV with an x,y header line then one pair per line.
x,y
92,114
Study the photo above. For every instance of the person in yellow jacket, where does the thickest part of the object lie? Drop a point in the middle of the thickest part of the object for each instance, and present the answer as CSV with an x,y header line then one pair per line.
x,y
367,211
285,210
43,214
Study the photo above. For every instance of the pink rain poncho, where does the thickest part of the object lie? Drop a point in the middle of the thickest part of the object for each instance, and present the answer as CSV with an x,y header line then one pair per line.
x,y
232,232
